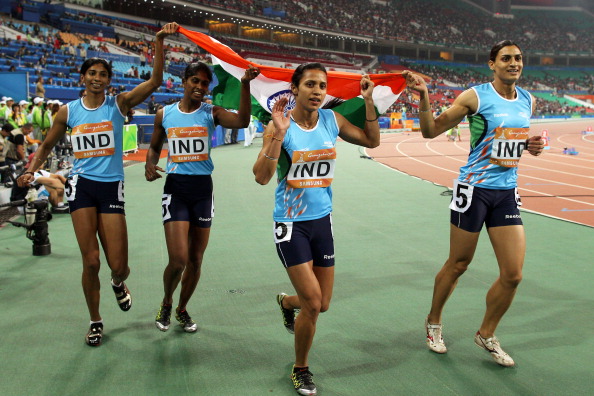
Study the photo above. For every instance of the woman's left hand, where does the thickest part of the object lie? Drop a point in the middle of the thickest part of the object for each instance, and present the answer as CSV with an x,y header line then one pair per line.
x,y
535,145
168,29
250,73
366,86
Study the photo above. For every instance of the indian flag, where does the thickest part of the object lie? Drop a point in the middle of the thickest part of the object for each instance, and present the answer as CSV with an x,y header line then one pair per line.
x,y
274,83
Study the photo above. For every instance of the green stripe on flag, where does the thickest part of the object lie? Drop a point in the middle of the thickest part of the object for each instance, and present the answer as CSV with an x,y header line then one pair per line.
x,y
227,93
354,111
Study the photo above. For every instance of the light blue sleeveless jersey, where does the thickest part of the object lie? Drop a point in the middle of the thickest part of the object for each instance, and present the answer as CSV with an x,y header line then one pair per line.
x,y
495,132
99,145
307,159
189,138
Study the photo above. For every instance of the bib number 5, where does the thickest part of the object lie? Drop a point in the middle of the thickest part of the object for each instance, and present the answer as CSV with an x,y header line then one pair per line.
x,y
282,232
461,196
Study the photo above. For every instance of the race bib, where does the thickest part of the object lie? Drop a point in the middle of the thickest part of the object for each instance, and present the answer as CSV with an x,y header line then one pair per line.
x,y
70,188
121,191
508,145
518,198
312,168
188,144
165,202
461,196
282,232
93,140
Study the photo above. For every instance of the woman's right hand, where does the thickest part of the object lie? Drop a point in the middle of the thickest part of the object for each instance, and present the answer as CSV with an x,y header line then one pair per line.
x,y
280,120
414,81
25,180
151,172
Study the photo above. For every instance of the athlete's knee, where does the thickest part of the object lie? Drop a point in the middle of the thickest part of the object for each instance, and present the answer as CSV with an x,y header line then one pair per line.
x,y
91,262
92,267
120,273
311,305
194,266
511,279
177,263
325,307
458,266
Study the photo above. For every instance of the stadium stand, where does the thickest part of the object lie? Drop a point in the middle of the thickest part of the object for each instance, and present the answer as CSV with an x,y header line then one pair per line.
x,y
55,49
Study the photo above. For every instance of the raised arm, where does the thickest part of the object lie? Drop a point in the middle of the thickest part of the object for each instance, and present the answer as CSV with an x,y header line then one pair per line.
x,y
241,119
464,104
128,100
369,136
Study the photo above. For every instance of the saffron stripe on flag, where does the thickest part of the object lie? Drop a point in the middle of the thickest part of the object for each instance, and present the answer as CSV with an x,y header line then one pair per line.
x,y
274,82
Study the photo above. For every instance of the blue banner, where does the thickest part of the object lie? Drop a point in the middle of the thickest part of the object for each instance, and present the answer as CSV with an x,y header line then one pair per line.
x,y
14,85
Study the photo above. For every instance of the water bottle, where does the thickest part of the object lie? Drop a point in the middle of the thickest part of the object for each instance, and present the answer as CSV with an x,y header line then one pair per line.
x,y
31,195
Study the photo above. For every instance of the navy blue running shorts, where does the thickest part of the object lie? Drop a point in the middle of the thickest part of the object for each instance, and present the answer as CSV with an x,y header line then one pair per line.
x,y
188,198
494,208
107,197
301,241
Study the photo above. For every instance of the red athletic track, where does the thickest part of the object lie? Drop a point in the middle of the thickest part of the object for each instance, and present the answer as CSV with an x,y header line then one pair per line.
x,y
552,184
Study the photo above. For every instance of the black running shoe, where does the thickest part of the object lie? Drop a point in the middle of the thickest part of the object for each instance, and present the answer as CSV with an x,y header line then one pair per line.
x,y
60,209
303,381
122,296
93,337
163,318
287,313
185,321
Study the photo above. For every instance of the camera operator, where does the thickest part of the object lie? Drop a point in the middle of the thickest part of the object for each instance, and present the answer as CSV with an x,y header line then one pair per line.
x,y
14,142
14,152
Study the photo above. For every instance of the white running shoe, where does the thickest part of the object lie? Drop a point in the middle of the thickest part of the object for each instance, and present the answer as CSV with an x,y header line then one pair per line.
x,y
492,346
434,337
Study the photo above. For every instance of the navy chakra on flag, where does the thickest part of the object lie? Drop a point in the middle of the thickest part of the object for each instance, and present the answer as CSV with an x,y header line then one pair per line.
x,y
281,94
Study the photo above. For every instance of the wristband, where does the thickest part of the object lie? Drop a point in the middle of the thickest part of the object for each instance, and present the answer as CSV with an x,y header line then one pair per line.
x,y
270,158
375,119
424,111
275,138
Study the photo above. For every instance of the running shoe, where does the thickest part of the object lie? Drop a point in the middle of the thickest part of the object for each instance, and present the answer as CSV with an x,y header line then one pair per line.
x,y
60,209
303,381
434,337
122,296
287,313
163,318
186,321
93,337
492,346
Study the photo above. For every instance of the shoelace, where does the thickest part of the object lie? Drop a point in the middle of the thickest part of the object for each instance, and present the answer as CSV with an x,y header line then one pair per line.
x,y
492,345
96,331
164,313
184,316
305,377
